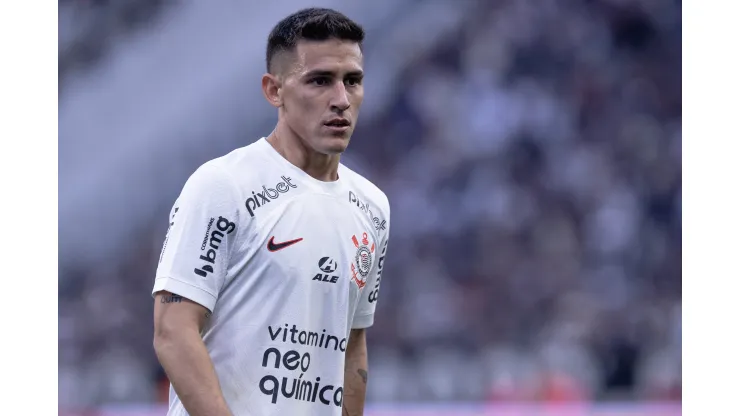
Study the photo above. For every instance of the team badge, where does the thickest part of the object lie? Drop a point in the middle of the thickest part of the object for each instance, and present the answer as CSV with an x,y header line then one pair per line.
x,y
363,260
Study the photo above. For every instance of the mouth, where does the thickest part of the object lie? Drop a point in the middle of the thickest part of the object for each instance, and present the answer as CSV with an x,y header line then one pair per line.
x,y
338,124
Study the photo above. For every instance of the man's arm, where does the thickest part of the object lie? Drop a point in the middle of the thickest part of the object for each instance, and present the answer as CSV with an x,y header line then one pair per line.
x,y
355,374
178,323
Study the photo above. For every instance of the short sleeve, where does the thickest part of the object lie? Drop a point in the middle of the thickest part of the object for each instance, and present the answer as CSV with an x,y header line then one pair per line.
x,y
365,311
202,231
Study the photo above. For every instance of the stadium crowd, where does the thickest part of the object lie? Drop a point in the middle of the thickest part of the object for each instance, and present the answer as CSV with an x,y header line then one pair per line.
x,y
88,28
533,164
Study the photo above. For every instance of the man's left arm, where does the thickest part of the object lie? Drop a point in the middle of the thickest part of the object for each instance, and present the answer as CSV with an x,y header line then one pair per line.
x,y
355,361
355,374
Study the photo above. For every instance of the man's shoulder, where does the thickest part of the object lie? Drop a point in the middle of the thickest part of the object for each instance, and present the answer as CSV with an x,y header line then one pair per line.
x,y
364,191
249,157
238,165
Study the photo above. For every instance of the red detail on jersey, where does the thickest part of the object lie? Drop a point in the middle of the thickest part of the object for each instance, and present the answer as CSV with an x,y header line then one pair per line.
x,y
359,282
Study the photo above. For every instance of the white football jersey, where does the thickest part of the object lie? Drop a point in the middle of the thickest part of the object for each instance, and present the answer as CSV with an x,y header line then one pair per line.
x,y
287,265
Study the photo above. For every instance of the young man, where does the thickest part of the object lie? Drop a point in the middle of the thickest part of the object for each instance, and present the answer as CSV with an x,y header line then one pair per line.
x,y
271,265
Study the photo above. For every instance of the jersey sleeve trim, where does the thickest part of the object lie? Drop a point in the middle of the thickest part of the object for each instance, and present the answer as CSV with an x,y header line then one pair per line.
x,y
186,290
363,321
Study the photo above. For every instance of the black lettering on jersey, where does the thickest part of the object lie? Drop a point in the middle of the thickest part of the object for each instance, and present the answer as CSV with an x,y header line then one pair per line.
x,y
327,266
208,233
325,278
301,390
378,223
373,296
223,225
258,199
291,360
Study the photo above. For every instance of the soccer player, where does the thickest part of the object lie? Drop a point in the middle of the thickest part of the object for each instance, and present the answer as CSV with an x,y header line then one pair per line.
x,y
271,265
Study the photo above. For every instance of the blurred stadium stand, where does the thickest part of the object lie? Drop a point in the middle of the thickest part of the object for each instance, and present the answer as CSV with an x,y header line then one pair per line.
x,y
88,28
531,152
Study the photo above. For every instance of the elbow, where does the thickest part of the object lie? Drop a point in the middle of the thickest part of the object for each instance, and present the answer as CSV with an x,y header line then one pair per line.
x,y
170,336
163,340
167,346
160,342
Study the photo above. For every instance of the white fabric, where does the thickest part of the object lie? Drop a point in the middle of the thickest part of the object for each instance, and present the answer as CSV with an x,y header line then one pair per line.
x,y
280,317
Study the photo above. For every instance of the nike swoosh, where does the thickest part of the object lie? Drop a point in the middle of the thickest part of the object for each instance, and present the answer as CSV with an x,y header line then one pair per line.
x,y
272,246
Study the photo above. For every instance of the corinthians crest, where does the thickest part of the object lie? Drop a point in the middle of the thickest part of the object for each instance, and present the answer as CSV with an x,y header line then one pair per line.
x,y
363,260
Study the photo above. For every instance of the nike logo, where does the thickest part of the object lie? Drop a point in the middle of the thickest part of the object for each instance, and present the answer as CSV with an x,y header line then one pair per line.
x,y
273,246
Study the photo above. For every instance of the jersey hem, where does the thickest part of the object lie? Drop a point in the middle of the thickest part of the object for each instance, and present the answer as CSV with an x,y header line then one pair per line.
x,y
363,321
186,290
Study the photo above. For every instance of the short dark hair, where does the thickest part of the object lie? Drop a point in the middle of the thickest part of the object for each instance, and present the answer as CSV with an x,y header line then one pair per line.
x,y
315,24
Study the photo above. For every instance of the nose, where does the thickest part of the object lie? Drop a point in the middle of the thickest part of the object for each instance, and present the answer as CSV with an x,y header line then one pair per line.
x,y
340,99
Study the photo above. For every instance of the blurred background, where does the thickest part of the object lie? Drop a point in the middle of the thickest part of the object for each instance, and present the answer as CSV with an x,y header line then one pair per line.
x,y
530,149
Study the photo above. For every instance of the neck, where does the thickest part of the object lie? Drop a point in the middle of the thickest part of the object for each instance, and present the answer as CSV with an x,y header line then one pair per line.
x,y
317,165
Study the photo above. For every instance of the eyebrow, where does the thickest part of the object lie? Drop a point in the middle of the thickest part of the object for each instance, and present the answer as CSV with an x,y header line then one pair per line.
x,y
324,73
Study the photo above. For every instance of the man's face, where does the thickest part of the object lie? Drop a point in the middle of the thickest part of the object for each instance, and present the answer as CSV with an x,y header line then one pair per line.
x,y
322,93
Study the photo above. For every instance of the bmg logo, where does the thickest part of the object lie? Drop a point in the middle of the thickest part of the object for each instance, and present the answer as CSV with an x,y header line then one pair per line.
x,y
223,225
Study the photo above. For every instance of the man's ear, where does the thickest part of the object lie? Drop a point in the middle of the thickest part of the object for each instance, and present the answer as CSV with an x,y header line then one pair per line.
x,y
272,89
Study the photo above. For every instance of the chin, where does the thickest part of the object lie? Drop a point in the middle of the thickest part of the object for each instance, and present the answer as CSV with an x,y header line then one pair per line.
x,y
335,150
334,145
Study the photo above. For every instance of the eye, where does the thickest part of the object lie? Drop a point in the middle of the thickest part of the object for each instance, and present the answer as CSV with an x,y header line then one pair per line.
x,y
320,81
352,82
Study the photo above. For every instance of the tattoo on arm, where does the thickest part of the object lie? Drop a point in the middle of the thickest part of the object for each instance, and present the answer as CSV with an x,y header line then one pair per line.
x,y
362,374
208,314
171,299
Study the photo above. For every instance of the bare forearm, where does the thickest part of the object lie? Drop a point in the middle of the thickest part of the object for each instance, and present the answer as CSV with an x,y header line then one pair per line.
x,y
355,375
190,370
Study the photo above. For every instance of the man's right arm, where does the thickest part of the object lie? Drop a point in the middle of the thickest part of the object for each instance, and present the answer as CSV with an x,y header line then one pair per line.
x,y
178,323
192,270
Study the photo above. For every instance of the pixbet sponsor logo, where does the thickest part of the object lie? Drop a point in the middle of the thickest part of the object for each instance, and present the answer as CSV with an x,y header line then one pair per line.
x,y
377,222
328,266
212,242
258,199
